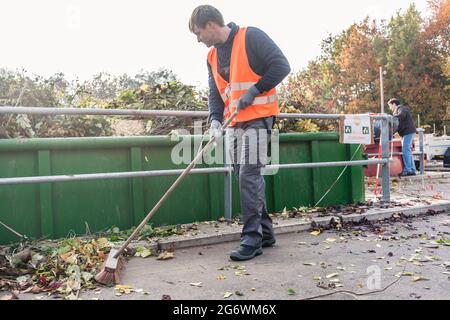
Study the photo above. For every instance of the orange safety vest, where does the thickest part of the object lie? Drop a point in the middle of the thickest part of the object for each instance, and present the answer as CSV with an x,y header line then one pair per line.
x,y
242,78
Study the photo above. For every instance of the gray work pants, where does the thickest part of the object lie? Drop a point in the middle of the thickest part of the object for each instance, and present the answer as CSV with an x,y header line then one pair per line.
x,y
249,143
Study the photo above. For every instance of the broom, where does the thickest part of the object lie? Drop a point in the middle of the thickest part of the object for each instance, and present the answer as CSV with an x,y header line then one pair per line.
x,y
114,263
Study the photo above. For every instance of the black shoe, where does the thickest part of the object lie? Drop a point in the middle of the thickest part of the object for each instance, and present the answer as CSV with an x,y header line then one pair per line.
x,y
412,173
245,253
403,174
268,242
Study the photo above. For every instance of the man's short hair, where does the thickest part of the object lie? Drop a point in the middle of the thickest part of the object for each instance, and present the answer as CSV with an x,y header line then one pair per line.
x,y
204,14
394,101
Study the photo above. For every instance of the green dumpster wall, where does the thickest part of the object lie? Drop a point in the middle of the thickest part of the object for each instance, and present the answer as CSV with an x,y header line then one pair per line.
x,y
55,210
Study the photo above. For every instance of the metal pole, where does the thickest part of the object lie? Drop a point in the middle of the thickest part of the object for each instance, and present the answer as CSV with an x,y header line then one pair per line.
x,y
385,156
149,113
160,173
321,116
106,176
422,153
382,90
103,112
228,182
325,164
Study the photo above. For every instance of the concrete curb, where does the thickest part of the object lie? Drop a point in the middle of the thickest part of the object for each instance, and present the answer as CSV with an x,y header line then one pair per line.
x,y
427,176
297,227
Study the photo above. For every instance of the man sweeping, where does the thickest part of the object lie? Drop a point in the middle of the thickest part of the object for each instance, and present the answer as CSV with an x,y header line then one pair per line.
x,y
244,67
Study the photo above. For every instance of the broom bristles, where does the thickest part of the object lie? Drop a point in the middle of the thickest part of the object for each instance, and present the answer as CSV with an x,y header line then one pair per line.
x,y
109,274
107,278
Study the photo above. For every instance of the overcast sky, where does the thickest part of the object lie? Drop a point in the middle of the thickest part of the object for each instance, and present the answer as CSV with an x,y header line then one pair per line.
x,y
81,38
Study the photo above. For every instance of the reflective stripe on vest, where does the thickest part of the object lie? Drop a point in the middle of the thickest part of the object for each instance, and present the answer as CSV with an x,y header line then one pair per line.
x,y
227,94
258,101
238,86
241,86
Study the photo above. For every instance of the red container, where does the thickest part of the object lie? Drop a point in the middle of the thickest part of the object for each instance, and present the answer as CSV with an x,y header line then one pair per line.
x,y
396,162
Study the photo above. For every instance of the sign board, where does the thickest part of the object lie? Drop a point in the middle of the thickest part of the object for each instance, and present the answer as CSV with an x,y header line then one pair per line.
x,y
356,129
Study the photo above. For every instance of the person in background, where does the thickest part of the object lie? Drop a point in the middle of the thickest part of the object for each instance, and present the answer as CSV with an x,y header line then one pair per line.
x,y
407,131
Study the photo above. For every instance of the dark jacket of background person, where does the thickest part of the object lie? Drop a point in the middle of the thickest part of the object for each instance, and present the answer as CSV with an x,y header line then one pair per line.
x,y
405,121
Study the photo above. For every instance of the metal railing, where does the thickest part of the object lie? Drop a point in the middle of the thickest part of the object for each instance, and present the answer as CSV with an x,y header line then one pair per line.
x,y
226,170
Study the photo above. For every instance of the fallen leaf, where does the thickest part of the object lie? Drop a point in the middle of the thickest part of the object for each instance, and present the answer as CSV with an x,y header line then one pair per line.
x,y
165,256
196,284
309,264
227,295
316,233
335,280
317,278
331,240
332,275
86,276
404,274
71,297
438,196
143,252
221,277
23,280
238,293
123,287
291,292
27,290
36,289
419,278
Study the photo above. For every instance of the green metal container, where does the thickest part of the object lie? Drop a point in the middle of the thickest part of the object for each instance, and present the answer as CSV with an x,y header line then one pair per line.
x,y
55,210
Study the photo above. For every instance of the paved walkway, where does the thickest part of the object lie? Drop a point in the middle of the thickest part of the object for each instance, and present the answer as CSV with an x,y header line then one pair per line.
x,y
359,259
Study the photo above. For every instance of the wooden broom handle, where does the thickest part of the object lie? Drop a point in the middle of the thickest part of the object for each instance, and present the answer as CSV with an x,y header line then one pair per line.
x,y
170,190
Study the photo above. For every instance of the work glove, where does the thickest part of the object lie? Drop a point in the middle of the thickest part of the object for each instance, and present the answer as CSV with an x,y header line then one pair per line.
x,y
248,98
216,129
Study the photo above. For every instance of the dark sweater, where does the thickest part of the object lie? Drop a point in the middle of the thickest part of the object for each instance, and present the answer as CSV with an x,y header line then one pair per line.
x,y
265,59
405,121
